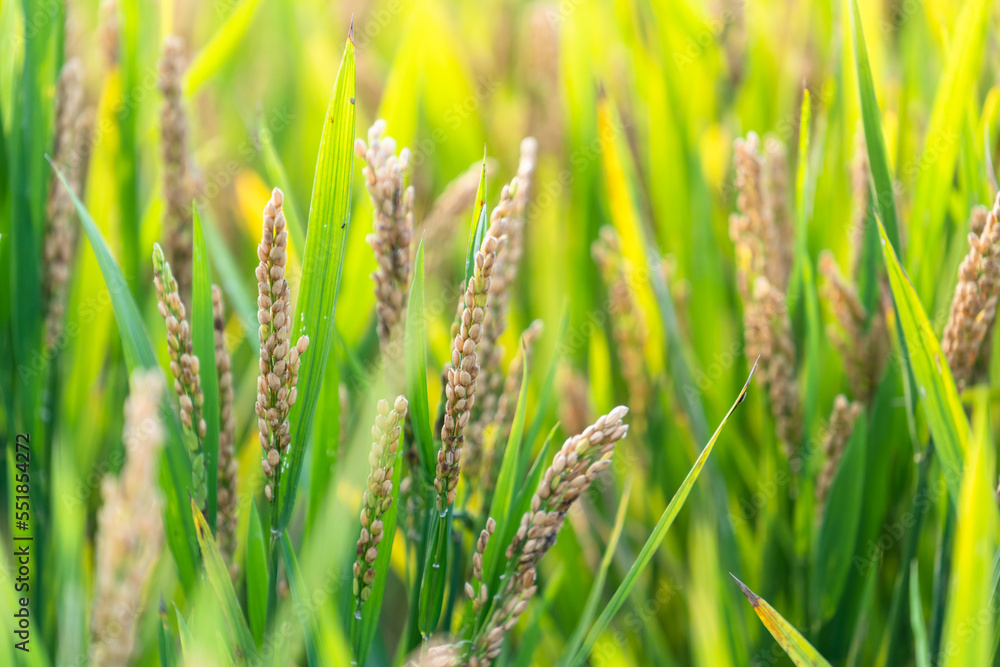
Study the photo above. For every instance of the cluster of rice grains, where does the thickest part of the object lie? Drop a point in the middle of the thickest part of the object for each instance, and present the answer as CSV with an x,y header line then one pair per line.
x,y
184,367
762,235
69,154
279,359
129,528
973,308
574,468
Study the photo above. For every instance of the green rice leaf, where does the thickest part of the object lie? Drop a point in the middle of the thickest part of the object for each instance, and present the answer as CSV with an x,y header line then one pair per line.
x,y
921,649
220,49
326,441
945,416
217,574
256,575
656,538
884,200
791,641
597,588
435,575
184,633
165,639
834,548
416,369
966,639
936,170
300,600
203,341
138,352
329,214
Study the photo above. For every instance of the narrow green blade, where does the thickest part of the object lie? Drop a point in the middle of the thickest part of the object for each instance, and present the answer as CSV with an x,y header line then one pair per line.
x,y
416,369
942,407
218,578
326,236
657,536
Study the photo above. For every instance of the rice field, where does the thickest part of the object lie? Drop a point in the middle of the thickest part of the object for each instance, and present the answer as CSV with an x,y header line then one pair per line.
x,y
515,332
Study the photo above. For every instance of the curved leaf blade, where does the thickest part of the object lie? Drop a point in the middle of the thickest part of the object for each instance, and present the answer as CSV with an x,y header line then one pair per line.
x,y
326,236
657,536
791,640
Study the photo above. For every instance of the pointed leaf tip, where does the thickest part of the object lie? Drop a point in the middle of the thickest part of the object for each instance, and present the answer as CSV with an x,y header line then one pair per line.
x,y
751,596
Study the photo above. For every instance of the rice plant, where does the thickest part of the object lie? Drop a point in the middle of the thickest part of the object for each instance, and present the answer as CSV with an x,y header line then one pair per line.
x,y
513,261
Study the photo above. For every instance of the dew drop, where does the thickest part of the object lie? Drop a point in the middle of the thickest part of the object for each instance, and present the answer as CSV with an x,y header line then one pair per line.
x,y
436,566
923,392
357,615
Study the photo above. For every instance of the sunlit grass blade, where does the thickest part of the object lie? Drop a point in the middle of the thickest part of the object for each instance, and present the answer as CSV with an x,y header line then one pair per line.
x,y
231,278
217,574
945,416
966,639
597,588
165,639
416,369
791,641
479,222
300,600
184,634
656,537
138,352
936,173
921,650
326,235
220,49
256,576
203,340
834,548
884,196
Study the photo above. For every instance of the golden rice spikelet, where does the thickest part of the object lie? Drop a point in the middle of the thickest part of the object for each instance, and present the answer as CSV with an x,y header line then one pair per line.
x,y
184,367
628,325
227,468
973,308
60,230
581,459
178,185
377,497
463,371
769,336
129,528
392,200
845,414
863,341
279,359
